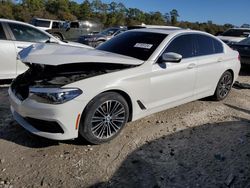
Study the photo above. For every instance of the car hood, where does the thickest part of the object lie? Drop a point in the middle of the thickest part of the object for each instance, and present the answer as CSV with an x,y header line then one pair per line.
x,y
75,44
54,54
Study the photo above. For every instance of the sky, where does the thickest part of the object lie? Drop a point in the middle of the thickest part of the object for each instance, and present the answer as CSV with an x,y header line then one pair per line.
x,y
235,12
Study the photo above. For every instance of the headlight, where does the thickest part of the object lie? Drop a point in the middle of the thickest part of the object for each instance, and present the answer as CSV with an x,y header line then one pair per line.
x,y
54,95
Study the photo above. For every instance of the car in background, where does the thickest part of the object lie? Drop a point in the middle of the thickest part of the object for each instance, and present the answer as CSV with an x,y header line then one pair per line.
x,y
68,92
143,26
234,35
15,36
73,30
97,39
46,24
243,47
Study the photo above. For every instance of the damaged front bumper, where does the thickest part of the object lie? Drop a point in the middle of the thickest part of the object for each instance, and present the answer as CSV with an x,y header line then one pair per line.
x,y
57,122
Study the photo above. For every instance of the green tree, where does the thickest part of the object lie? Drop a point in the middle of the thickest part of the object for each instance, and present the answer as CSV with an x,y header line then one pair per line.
x,y
6,8
174,16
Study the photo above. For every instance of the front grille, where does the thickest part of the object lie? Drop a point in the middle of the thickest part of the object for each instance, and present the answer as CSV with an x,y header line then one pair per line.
x,y
45,126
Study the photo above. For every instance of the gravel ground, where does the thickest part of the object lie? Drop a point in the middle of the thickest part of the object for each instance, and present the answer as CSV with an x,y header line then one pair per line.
x,y
199,144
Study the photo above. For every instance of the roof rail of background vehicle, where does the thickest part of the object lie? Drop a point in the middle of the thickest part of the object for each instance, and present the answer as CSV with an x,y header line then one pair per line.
x,y
15,21
45,19
152,27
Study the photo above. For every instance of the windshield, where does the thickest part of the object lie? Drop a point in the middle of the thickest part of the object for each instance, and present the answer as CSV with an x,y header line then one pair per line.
x,y
109,32
40,23
245,41
135,44
236,32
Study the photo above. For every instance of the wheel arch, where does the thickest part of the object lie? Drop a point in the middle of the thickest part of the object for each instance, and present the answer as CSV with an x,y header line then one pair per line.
x,y
128,100
124,95
231,71
58,33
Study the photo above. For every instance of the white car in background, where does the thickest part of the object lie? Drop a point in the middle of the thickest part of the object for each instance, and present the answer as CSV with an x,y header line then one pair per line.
x,y
46,24
15,36
70,91
234,35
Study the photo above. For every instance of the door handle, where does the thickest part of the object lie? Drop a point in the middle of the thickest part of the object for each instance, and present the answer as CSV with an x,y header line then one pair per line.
x,y
20,47
191,66
219,59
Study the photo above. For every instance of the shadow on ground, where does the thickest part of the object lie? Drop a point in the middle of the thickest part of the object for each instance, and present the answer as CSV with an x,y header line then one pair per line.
x,y
211,155
245,70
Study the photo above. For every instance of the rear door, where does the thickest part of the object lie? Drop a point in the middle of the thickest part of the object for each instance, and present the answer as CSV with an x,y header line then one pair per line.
x,y
210,54
7,55
24,36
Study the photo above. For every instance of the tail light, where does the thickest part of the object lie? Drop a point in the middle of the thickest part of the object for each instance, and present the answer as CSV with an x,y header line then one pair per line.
x,y
239,57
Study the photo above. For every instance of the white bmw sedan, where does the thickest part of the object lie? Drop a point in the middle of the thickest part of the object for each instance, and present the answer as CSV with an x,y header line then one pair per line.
x,y
70,91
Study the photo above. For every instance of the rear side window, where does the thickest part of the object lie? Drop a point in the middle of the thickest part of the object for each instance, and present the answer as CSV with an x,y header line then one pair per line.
x,y
183,45
207,45
40,23
2,34
27,34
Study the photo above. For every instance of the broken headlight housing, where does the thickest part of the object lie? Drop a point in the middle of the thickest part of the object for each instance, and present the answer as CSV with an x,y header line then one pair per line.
x,y
54,95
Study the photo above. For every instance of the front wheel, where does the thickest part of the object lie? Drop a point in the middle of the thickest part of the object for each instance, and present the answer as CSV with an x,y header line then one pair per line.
x,y
224,86
104,118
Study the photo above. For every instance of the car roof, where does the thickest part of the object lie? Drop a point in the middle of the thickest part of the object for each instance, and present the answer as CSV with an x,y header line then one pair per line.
x,y
169,31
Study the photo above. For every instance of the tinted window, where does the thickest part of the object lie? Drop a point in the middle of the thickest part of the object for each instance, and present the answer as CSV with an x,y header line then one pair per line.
x,y
74,25
218,47
183,45
55,25
41,23
236,32
207,45
135,44
26,33
2,34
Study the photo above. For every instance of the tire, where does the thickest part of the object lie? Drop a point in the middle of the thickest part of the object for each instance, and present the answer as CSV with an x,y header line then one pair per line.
x,y
104,118
224,86
98,43
58,36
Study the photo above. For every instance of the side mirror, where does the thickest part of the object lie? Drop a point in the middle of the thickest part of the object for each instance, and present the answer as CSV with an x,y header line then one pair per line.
x,y
171,57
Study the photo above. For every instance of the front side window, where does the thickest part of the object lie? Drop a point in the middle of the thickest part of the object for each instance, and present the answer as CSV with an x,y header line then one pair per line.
x,y
183,45
207,45
2,34
137,44
27,34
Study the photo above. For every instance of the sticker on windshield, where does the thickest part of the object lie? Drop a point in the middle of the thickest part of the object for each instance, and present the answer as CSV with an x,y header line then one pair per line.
x,y
143,45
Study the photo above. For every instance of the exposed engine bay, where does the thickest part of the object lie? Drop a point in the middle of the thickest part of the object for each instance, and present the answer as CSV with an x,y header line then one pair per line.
x,y
39,75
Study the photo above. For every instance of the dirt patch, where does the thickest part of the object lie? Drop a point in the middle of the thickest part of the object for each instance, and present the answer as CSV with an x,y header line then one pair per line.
x,y
199,144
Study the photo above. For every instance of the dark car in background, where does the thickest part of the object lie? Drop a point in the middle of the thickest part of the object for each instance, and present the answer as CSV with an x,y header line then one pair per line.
x,y
73,30
243,47
97,39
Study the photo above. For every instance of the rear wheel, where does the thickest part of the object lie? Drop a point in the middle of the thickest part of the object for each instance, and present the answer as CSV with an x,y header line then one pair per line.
x,y
224,86
104,118
57,36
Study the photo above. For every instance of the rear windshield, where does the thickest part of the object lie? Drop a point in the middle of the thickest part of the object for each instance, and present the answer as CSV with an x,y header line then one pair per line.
x,y
236,32
135,44
41,23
